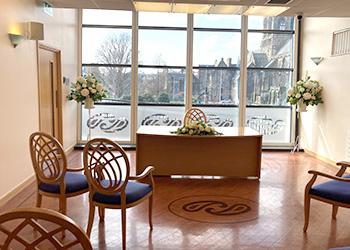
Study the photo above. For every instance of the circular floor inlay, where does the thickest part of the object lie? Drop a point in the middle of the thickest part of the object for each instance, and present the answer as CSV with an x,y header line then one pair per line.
x,y
214,209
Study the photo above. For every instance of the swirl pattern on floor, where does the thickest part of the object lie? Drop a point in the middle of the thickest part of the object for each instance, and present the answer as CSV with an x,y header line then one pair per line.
x,y
214,209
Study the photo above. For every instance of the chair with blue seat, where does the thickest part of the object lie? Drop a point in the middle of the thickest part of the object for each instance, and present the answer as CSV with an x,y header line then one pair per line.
x,y
335,192
107,169
53,177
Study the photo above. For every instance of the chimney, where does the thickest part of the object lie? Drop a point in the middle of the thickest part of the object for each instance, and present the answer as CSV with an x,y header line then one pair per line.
x,y
229,62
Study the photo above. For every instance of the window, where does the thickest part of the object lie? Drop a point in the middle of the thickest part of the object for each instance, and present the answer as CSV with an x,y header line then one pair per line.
x,y
106,52
162,67
269,76
215,81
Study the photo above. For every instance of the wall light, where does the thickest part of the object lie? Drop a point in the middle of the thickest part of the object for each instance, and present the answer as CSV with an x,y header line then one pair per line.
x,y
15,34
317,60
16,39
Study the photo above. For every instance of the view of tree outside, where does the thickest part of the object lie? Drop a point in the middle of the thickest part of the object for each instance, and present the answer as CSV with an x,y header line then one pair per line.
x,y
215,79
216,63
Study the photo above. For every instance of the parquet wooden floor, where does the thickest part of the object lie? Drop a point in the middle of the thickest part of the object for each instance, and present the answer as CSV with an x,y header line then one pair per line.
x,y
279,194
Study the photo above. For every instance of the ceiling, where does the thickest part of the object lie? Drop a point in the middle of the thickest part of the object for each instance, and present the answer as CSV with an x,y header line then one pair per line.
x,y
307,8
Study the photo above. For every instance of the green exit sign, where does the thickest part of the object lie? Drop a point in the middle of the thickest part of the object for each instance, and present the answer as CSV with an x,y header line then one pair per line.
x,y
47,8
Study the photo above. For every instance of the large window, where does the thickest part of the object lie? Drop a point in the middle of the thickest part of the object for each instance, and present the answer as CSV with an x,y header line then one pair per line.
x,y
106,52
216,52
161,70
166,50
269,76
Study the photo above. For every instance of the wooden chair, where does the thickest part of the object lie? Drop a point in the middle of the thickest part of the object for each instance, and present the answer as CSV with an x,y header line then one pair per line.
x,y
38,228
107,169
194,114
53,177
335,192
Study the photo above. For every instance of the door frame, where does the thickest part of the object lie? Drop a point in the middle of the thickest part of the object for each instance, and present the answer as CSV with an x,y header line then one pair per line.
x,y
58,97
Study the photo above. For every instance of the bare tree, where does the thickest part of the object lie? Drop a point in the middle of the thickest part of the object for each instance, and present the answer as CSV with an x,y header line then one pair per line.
x,y
116,49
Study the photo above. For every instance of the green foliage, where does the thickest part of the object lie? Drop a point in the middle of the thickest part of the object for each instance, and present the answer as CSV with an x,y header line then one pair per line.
x,y
164,98
146,98
197,128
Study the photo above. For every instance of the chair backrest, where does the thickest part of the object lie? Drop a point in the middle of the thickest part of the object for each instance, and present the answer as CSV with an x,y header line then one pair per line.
x,y
38,228
106,166
48,158
194,114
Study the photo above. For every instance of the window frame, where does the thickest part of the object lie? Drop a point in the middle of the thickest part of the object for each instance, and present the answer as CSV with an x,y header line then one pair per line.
x,y
189,68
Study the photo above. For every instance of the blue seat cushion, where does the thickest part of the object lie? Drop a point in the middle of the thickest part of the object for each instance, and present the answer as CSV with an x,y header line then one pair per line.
x,y
340,248
133,191
74,182
333,190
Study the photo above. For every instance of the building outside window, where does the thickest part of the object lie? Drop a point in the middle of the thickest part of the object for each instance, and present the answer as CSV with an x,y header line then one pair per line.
x,y
216,64
269,76
162,65
161,68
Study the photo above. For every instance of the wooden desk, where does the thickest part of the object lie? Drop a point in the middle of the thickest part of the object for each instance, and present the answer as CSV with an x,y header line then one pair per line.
x,y
236,153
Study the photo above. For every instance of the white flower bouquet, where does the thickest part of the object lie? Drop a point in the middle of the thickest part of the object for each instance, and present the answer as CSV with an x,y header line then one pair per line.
x,y
87,87
306,91
197,128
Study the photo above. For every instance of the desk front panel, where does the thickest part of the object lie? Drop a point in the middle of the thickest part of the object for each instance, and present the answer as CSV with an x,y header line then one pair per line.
x,y
194,155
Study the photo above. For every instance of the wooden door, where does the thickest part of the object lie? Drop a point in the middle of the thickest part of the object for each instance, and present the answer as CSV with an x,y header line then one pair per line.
x,y
50,107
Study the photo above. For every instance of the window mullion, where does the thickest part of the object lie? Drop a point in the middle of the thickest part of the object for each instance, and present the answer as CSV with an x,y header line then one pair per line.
x,y
134,76
243,73
189,62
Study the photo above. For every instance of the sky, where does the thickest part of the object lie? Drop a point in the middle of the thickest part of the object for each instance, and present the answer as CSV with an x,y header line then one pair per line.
x,y
170,46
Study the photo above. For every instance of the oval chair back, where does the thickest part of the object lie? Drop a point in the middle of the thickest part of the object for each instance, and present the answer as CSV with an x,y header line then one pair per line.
x,y
48,158
38,228
194,114
106,166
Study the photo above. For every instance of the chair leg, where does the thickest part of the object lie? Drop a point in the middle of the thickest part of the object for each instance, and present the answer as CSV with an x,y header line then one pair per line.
x,y
38,199
101,213
334,212
91,219
306,211
124,227
150,205
63,205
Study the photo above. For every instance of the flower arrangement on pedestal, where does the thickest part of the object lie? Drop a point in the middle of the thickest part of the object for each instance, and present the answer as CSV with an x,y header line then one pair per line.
x,y
87,89
304,93
197,128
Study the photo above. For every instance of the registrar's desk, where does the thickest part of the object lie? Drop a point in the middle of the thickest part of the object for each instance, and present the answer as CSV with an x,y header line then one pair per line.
x,y
236,153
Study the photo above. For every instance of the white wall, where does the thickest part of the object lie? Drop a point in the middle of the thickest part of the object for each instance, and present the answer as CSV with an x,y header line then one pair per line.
x,y
19,85
325,129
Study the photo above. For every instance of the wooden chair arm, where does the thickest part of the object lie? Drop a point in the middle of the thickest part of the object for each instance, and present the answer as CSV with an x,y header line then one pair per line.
x,y
337,178
75,169
343,163
147,172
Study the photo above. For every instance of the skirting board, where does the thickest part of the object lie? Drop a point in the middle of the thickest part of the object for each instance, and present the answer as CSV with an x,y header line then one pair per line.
x,y
69,149
12,193
320,157
16,190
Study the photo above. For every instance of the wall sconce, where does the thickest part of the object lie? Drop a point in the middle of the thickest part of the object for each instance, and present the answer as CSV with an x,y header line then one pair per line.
x,y
16,39
317,60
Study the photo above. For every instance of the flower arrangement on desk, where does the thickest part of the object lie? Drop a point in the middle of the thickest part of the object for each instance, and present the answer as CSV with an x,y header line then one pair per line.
x,y
87,89
304,93
197,128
